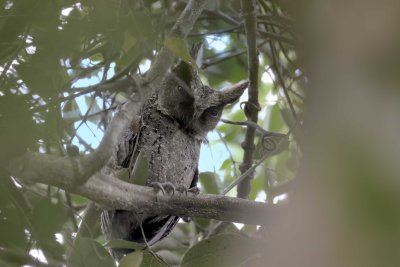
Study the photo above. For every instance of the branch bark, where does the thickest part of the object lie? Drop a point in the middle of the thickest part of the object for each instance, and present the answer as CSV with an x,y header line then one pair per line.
x,y
122,195
113,193
252,106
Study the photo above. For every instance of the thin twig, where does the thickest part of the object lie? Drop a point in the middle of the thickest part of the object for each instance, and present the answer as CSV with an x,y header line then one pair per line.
x,y
84,118
84,143
230,54
71,210
149,248
275,61
249,171
229,152
86,227
280,18
278,37
281,81
207,64
225,17
255,126
229,30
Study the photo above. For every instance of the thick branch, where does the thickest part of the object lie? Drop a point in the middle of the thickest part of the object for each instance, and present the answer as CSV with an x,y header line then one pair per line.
x,y
117,194
252,106
113,193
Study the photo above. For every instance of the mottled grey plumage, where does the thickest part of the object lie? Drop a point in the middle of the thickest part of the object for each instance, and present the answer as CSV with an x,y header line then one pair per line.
x,y
168,132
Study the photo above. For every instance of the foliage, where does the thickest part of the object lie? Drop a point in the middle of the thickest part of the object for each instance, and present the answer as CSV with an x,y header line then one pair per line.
x,y
58,62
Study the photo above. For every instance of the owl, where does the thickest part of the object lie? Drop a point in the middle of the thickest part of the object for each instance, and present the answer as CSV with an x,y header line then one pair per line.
x,y
168,132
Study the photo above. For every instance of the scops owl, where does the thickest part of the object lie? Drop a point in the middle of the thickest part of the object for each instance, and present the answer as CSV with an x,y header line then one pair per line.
x,y
168,132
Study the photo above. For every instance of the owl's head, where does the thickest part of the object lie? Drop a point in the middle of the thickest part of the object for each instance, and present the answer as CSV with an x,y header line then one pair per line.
x,y
195,106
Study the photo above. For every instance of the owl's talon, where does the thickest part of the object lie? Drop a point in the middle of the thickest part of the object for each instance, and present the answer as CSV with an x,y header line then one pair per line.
x,y
182,189
163,187
169,187
195,190
157,186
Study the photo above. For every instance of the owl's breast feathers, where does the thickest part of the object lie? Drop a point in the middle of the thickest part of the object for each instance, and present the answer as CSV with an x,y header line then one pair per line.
x,y
172,153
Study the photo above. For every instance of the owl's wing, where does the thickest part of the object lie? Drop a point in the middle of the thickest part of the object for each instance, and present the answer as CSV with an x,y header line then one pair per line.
x,y
128,145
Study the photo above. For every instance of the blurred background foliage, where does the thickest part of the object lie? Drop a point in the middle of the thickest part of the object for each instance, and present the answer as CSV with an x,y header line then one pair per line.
x,y
65,67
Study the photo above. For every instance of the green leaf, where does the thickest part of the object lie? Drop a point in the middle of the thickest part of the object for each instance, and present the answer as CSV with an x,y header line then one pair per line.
x,y
226,165
140,171
98,57
257,185
139,24
12,224
48,217
227,71
123,174
275,120
129,42
133,259
178,46
281,167
88,252
120,243
171,257
224,250
78,200
209,181
150,261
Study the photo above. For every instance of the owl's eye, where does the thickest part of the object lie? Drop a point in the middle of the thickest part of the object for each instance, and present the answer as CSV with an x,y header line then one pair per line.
x,y
212,112
182,91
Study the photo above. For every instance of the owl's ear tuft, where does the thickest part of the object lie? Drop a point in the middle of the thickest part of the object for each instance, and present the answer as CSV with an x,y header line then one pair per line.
x,y
184,72
232,93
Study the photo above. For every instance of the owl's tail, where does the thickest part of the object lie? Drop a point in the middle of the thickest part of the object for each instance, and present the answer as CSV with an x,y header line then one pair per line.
x,y
122,225
154,228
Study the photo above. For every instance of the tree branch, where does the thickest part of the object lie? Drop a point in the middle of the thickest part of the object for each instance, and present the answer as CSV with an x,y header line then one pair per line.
x,y
126,85
252,106
117,194
255,126
113,193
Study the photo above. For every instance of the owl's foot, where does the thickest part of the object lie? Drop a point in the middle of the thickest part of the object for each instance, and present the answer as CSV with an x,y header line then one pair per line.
x,y
195,190
186,219
163,187
169,187
184,190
